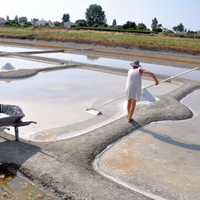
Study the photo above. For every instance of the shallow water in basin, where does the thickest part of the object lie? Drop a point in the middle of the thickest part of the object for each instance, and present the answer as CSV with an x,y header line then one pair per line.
x,y
20,187
161,160
57,101
160,69
16,49
22,64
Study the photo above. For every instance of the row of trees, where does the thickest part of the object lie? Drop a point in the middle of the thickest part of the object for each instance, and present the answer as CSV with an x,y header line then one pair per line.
x,y
133,25
95,17
16,21
20,19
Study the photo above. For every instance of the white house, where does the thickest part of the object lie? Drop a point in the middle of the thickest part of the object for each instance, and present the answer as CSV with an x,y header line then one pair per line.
x,y
2,20
68,24
37,22
42,22
178,32
33,21
165,29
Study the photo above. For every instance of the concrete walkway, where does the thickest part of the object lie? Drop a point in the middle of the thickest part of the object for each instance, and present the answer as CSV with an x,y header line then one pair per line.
x,y
64,167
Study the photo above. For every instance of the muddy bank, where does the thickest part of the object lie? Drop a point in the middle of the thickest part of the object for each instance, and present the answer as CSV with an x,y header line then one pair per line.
x,y
65,166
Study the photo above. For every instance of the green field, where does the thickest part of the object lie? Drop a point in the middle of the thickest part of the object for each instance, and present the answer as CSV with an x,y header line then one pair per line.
x,y
126,40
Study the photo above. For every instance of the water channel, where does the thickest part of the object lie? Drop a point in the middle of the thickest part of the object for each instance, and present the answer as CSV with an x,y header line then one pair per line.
x,y
19,187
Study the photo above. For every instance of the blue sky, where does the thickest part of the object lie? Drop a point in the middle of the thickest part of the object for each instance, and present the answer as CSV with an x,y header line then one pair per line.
x,y
169,13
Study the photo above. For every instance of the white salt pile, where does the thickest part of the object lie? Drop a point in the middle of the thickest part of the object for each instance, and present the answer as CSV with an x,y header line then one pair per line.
x,y
8,66
146,96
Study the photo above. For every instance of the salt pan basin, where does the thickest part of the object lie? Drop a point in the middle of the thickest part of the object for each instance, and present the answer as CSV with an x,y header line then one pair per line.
x,y
16,49
160,69
23,64
57,101
161,160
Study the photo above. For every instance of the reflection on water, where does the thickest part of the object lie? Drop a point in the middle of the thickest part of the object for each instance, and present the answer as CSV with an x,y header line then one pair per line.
x,y
20,186
160,69
26,190
16,49
162,158
92,58
57,101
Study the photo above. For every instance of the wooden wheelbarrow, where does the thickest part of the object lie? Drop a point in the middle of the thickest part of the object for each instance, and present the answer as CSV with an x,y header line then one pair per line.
x,y
13,116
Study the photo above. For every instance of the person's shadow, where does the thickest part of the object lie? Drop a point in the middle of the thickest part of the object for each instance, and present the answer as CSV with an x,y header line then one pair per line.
x,y
166,138
171,140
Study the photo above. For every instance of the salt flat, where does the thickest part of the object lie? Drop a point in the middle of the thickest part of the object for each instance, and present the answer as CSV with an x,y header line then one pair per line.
x,y
162,158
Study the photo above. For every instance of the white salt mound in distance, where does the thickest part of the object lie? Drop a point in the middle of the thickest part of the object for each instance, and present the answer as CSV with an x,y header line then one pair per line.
x,y
147,96
8,66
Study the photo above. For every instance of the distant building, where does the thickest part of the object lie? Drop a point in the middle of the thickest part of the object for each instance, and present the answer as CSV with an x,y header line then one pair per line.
x,y
68,24
165,30
33,21
178,32
2,21
37,22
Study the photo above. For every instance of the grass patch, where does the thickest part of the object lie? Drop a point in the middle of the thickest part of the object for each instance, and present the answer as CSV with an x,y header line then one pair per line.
x,y
126,40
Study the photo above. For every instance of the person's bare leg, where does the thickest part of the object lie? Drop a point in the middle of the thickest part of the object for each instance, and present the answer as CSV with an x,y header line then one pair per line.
x,y
129,106
132,109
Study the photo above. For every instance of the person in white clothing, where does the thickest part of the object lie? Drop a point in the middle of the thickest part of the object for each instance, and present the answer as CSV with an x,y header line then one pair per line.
x,y
133,86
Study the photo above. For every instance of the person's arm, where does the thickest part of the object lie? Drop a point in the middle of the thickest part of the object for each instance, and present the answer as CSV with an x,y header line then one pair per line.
x,y
150,73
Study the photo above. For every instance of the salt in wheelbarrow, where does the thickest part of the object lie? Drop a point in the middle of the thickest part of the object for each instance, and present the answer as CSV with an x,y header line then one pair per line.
x,y
12,116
